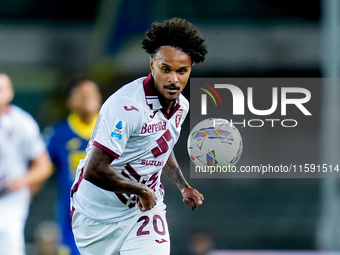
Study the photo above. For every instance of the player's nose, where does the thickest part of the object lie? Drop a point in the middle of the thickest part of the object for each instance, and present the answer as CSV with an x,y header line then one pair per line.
x,y
173,79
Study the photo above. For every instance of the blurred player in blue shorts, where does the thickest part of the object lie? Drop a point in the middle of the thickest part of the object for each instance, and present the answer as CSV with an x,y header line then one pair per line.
x,y
67,141
117,196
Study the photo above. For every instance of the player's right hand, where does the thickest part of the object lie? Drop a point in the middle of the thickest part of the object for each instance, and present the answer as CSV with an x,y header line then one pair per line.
x,y
146,200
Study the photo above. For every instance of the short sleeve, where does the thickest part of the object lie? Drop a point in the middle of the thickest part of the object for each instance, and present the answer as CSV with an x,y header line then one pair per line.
x,y
118,119
34,144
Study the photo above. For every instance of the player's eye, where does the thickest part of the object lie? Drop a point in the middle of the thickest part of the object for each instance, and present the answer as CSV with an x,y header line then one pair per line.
x,y
166,69
182,71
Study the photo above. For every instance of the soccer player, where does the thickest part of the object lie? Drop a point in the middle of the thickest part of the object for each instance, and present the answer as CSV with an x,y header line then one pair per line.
x,y
117,196
67,143
24,164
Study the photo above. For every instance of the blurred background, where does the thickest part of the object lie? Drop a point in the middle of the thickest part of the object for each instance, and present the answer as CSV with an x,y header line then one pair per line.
x,y
45,43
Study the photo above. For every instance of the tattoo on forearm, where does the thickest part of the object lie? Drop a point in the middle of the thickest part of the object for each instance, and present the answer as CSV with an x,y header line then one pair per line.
x,y
173,172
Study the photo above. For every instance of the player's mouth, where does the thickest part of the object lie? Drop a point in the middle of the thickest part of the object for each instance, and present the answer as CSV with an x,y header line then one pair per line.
x,y
171,89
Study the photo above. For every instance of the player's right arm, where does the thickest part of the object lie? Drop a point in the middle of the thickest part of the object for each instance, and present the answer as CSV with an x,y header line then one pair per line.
x,y
119,117
98,171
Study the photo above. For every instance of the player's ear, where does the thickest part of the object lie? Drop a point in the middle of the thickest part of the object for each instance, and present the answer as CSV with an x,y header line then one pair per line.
x,y
151,63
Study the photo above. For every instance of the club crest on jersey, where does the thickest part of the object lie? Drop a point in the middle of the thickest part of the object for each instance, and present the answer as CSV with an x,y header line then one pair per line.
x,y
118,130
178,117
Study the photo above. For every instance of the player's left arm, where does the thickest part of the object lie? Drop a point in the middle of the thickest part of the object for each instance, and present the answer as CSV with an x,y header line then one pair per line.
x,y
191,196
40,169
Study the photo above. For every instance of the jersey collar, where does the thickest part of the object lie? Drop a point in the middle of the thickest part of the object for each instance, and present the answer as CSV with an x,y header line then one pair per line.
x,y
80,128
151,94
6,110
151,97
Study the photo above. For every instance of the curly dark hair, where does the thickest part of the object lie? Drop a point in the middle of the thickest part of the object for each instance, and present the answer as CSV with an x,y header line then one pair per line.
x,y
177,33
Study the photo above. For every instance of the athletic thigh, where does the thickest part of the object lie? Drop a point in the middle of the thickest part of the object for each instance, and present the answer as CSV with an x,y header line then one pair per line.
x,y
148,236
97,238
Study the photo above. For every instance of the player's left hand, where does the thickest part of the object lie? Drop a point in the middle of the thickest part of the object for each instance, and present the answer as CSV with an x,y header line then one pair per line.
x,y
192,197
15,184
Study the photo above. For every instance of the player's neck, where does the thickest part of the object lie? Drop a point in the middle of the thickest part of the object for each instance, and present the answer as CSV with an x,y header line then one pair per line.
x,y
86,118
167,105
4,110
